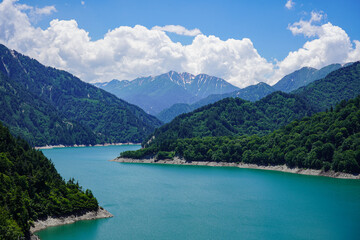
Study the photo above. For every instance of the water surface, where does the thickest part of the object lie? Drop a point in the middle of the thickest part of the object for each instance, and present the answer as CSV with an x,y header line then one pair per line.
x,y
194,202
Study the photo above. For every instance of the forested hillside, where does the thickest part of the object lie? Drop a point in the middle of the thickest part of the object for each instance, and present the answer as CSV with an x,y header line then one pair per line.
x,y
342,84
328,140
37,122
234,116
110,118
31,188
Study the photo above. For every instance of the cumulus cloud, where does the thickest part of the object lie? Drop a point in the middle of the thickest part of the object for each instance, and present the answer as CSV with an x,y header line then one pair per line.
x,y
329,44
289,4
180,30
129,52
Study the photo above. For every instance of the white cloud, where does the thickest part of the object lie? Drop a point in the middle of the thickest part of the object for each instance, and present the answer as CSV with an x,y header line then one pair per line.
x,y
289,4
45,10
180,30
307,28
34,13
331,44
130,52
82,2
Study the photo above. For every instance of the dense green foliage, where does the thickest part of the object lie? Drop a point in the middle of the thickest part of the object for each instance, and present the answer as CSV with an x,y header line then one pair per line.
x,y
234,116
154,94
327,140
251,93
37,122
303,77
110,118
31,188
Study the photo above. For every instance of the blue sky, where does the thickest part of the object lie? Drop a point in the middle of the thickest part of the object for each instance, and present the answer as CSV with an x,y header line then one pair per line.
x,y
266,24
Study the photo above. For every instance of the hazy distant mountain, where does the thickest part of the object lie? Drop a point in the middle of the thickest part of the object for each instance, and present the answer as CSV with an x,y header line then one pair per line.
x,y
303,77
65,106
251,93
153,94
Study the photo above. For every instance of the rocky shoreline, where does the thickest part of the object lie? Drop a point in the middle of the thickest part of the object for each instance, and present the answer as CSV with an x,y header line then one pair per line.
x,y
82,145
281,168
51,222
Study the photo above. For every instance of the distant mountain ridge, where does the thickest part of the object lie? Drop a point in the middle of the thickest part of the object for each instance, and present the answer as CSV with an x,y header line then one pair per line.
x,y
107,117
153,94
254,93
303,77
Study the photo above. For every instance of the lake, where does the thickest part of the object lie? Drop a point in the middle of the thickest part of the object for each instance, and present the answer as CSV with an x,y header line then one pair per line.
x,y
195,202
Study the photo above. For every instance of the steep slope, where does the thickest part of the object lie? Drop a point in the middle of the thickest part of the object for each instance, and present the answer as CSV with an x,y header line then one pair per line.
x,y
328,141
303,77
37,122
111,118
154,94
342,84
238,117
31,189
250,93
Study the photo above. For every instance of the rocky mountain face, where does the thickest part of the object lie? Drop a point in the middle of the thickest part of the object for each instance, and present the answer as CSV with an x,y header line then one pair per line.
x,y
154,94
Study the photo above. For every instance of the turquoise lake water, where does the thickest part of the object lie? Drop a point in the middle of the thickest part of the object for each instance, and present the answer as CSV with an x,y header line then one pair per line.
x,y
192,202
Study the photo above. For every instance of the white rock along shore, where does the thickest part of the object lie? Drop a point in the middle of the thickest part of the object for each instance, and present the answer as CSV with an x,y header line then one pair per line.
x,y
81,145
51,222
281,168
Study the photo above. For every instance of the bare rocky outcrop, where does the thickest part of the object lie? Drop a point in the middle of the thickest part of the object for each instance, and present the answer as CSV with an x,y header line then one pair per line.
x,y
56,221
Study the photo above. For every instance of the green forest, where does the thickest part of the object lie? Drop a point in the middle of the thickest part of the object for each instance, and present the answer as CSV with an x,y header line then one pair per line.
x,y
31,188
328,140
39,123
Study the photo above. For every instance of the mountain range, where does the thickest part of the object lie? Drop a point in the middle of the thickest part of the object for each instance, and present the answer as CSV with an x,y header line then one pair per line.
x,y
254,93
36,98
153,94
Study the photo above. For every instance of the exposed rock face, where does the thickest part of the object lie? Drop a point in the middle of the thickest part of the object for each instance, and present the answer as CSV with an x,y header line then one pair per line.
x,y
154,94
50,221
